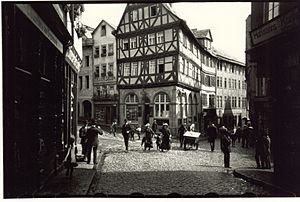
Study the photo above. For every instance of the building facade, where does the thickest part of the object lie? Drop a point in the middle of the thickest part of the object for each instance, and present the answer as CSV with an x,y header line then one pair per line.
x,y
41,60
273,56
231,91
85,78
105,94
159,67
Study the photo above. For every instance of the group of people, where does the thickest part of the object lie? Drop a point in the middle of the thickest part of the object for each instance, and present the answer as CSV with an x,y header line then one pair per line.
x,y
89,140
162,139
261,141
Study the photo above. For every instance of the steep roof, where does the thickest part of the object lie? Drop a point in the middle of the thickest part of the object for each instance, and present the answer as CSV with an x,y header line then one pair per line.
x,y
103,21
200,34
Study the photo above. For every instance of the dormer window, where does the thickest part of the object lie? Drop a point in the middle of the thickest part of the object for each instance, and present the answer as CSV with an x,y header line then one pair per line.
x,y
153,11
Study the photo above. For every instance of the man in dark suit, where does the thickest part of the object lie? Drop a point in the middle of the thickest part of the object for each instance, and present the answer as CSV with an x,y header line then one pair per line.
x,y
225,145
125,132
212,134
93,141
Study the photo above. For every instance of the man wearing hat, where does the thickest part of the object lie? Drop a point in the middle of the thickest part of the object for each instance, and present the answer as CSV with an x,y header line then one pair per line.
x,y
93,141
126,132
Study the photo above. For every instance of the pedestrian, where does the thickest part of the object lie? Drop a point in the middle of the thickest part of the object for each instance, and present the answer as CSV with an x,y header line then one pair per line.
x,y
259,150
93,141
83,139
266,154
225,145
154,126
166,136
238,133
245,136
148,137
132,131
113,127
138,131
212,135
70,159
182,129
125,132
233,136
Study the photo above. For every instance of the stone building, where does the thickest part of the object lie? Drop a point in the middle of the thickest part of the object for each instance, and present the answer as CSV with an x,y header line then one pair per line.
x,y
85,78
105,94
273,58
41,60
231,91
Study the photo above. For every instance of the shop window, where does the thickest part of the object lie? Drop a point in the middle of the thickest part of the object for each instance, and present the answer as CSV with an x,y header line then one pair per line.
x,y
162,105
131,107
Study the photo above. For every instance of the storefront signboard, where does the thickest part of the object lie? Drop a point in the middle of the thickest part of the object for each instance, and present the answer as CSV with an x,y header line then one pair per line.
x,y
40,24
275,27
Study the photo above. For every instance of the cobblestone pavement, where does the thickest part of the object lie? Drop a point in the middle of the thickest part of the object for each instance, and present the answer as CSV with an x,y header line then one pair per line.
x,y
189,173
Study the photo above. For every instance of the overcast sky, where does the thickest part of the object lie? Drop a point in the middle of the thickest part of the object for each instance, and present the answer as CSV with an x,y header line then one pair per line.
x,y
227,21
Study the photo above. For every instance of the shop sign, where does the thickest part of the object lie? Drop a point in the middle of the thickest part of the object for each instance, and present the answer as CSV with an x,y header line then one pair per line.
x,y
275,27
72,59
40,24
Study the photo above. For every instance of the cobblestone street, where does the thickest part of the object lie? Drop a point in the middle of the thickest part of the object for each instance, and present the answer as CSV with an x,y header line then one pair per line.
x,y
189,173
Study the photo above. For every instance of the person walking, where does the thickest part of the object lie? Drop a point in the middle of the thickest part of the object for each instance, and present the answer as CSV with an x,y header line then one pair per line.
x,y
70,159
259,150
233,136
238,133
212,135
166,136
148,137
246,135
113,128
83,139
93,141
126,132
225,145
182,129
154,126
266,154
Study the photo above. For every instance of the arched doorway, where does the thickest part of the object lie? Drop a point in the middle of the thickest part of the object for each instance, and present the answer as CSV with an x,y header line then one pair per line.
x,y
87,109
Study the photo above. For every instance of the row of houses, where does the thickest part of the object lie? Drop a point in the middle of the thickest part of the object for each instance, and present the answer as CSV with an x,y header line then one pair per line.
x,y
152,66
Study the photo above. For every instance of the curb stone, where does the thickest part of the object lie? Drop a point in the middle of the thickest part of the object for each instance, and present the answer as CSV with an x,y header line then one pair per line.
x,y
236,173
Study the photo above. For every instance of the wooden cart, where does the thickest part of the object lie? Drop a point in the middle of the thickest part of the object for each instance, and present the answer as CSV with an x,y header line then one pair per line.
x,y
191,138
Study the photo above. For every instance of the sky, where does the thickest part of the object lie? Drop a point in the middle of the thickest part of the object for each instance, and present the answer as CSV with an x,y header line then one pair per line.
x,y
227,21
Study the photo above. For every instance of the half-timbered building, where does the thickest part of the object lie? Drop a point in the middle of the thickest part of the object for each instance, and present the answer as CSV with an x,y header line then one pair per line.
x,y
159,67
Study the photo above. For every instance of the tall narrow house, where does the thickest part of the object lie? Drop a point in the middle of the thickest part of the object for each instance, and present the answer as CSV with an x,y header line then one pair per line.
x,y
159,65
105,93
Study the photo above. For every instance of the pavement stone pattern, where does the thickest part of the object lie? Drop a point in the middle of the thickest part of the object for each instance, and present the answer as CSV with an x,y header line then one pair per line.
x,y
189,173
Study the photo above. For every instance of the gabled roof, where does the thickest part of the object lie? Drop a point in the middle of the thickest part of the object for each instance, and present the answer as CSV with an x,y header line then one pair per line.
x,y
200,34
103,21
